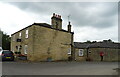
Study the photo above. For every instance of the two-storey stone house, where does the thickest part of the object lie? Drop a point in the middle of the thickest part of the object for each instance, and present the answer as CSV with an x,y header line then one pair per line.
x,y
43,42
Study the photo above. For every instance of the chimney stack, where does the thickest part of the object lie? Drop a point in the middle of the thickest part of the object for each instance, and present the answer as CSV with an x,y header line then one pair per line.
x,y
69,27
56,21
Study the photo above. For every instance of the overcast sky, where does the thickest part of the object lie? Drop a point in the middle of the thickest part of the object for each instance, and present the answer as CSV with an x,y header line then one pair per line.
x,y
90,20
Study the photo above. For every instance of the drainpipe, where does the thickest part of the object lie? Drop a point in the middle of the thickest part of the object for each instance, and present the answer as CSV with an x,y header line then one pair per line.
x,y
72,48
88,50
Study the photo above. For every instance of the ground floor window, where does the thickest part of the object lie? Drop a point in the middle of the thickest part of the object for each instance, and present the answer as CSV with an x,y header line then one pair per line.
x,y
81,52
69,51
25,49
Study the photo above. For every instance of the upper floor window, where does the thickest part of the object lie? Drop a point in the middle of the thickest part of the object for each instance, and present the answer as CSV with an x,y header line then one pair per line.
x,y
20,35
26,34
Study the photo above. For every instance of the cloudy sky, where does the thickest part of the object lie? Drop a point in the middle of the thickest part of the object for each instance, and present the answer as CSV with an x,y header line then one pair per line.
x,y
90,20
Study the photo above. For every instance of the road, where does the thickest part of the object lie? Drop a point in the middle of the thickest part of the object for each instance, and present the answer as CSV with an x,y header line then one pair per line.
x,y
59,68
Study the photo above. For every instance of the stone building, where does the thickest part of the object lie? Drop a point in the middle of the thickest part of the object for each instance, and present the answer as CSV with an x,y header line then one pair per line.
x,y
43,42
91,51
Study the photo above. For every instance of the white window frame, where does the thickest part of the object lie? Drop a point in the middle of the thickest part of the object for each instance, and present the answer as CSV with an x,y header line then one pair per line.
x,y
25,49
18,48
26,33
81,52
20,34
69,51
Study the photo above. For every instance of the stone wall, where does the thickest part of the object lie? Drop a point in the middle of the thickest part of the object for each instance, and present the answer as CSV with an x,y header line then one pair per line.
x,y
50,44
80,58
111,54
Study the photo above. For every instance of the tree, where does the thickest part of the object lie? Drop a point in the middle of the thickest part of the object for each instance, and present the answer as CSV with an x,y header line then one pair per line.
x,y
88,41
109,40
94,41
4,40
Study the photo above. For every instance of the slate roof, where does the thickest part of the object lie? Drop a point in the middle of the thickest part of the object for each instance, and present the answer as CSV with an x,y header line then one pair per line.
x,y
81,45
97,45
50,26
43,25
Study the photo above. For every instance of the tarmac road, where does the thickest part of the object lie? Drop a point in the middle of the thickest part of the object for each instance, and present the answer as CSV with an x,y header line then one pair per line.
x,y
59,68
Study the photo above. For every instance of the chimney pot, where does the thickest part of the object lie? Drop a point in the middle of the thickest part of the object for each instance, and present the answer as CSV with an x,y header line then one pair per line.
x,y
60,16
56,15
69,22
53,14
